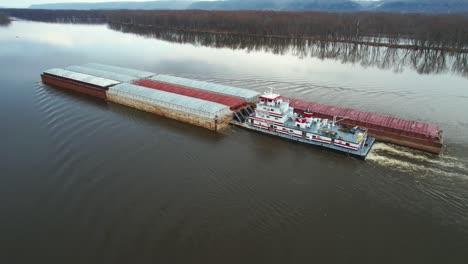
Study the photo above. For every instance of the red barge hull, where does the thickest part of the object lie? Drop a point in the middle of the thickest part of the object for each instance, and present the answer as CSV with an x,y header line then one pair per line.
x,y
409,133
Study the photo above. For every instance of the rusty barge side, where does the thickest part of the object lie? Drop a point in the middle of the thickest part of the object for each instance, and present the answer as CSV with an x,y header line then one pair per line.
x,y
408,133
211,124
190,110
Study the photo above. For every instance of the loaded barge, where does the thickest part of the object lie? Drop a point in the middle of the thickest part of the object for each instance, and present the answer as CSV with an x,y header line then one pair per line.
x,y
215,106
409,133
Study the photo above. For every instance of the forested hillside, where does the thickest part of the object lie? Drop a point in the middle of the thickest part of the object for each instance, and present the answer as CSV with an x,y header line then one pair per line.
x,y
407,6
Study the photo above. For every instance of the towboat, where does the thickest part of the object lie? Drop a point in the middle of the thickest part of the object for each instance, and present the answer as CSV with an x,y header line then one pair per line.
x,y
273,115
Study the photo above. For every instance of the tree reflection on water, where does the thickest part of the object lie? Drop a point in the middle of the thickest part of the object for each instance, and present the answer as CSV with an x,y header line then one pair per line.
x,y
423,61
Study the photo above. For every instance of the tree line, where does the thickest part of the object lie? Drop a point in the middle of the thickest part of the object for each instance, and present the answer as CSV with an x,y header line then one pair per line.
x,y
433,31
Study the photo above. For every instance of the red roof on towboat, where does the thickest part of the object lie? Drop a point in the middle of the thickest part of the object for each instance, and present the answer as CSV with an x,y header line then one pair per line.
x,y
270,96
425,129
233,102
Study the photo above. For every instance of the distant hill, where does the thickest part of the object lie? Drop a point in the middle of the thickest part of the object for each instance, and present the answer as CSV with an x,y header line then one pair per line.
x,y
423,6
144,5
235,5
413,6
324,5
333,5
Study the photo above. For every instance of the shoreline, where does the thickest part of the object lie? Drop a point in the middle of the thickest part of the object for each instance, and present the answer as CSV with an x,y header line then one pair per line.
x,y
442,32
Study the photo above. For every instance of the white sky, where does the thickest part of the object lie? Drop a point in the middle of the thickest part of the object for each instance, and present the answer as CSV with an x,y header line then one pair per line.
x,y
27,3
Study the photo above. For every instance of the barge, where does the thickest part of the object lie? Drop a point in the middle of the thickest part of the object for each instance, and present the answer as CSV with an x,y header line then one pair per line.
x,y
235,104
190,110
83,83
403,132
214,106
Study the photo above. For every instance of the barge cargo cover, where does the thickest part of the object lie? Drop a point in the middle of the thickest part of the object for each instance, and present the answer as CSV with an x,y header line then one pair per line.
x,y
103,74
409,133
247,95
233,102
120,70
194,111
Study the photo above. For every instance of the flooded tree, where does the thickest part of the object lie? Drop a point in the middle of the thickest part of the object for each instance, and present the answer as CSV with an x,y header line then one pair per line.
x,y
4,19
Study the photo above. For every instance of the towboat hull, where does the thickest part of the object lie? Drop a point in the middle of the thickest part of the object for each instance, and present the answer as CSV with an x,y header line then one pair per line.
x,y
360,153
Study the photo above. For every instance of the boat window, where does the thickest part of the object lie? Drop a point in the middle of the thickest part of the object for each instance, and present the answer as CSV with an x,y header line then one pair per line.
x,y
313,136
347,144
272,109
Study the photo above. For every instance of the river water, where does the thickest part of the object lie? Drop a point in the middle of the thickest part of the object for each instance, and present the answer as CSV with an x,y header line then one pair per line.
x,y
87,181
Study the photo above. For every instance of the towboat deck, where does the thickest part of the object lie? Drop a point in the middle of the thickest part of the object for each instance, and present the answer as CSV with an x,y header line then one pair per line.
x,y
326,131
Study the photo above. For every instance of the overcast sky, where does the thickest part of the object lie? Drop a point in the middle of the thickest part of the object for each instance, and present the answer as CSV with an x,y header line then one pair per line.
x,y
26,3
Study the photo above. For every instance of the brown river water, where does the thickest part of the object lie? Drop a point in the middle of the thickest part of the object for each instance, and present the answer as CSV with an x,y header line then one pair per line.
x,y
87,181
